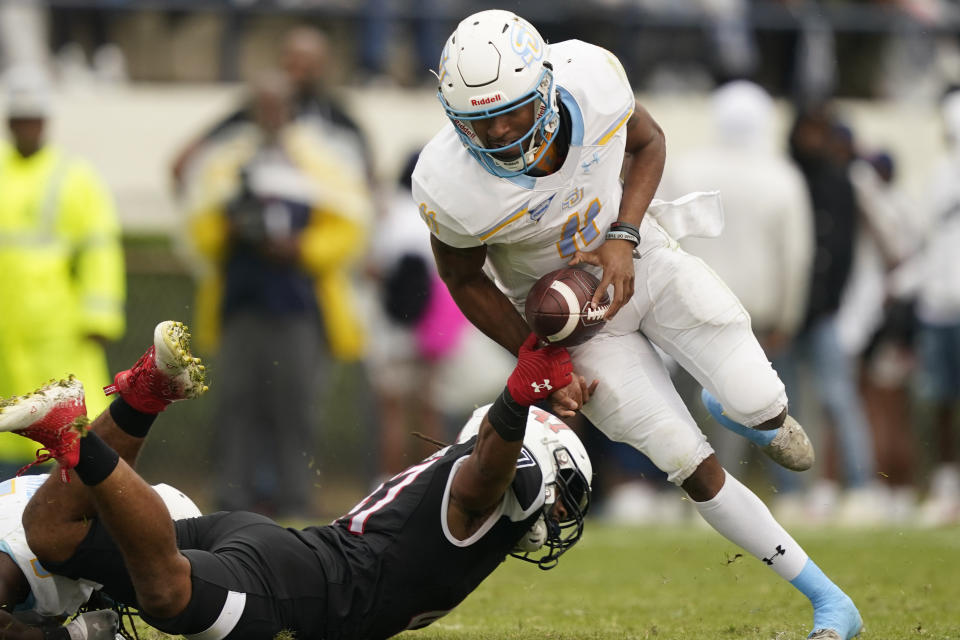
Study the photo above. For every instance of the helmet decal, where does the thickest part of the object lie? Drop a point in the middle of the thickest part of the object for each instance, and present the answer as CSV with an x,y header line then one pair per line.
x,y
465,129
442,72
489,98
526,44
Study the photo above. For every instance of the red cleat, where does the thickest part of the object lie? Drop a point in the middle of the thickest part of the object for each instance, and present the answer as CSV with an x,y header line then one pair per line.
x,y
167,372
54,416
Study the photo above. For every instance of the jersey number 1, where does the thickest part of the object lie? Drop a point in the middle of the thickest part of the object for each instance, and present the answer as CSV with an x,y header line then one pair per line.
x,y
588,231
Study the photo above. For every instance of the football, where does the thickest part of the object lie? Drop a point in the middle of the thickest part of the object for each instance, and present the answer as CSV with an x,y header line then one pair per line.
x,y
558,307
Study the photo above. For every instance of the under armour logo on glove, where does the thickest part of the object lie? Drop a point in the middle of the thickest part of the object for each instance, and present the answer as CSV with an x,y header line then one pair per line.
x,y
539,388
539,372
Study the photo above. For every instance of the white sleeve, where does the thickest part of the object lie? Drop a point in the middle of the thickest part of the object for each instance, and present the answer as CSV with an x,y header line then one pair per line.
x,y
445,227
882,216
53,595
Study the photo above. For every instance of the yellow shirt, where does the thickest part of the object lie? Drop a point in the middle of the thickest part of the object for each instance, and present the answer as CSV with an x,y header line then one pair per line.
x,y
61,274
329,246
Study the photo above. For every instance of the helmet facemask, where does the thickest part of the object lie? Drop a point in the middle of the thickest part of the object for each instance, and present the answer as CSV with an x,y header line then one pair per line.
x,y
573,490
532,145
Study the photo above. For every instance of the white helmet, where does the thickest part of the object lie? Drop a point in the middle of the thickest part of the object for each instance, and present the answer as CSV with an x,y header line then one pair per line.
x,y
28,92
567,474
493,63
178,503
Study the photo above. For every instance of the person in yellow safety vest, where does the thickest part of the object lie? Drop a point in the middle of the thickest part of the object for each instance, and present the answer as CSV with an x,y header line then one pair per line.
x,y
62,272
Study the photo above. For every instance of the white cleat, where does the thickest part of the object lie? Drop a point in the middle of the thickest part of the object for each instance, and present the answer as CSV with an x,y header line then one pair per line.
x,y
167,372
791,447
55,415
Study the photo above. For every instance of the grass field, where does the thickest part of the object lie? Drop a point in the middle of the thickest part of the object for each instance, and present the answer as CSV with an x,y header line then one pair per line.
x,y
689,583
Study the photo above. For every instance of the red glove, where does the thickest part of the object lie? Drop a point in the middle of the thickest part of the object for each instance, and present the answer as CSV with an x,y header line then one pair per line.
x,y
539,372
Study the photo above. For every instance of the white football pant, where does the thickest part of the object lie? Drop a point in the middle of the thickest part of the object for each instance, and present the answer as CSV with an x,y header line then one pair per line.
x,y
684,308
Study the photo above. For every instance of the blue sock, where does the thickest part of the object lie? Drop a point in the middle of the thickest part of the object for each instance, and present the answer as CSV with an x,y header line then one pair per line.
x,y
758,437
832,608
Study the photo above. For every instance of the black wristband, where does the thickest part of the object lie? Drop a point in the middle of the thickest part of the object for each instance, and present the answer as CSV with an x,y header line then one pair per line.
x,y
617,225
132,422
97,460
624,231
508,418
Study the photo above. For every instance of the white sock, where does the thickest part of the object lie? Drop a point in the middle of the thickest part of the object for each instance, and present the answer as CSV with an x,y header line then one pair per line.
x,y
742,518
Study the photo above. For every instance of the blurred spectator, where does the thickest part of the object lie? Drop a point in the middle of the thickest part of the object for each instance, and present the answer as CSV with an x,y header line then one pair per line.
x,y
938,308
23,33
876,323
416,326
822,150
379,20
280,211
814,74
82,38
766,249
919,56
731,34
61,260
305,59
767,213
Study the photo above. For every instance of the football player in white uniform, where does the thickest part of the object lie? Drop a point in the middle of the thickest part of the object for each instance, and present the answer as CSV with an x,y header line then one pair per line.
x,y
527,180
41,600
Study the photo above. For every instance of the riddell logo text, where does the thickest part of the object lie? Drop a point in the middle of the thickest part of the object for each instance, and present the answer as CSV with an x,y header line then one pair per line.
x,y
466,130
480,101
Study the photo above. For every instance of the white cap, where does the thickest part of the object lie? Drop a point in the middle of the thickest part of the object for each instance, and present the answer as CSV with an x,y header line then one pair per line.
x,y
28,92
743,114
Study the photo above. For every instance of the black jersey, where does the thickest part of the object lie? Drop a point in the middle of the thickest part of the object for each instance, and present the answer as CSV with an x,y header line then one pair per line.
x,y
401,568
388,565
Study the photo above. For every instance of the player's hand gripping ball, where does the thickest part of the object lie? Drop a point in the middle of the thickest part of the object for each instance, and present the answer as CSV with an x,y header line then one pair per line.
x,y
558,307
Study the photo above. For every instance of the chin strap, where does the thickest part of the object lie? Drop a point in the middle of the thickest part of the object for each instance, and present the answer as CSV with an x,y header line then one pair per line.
x,y
538,143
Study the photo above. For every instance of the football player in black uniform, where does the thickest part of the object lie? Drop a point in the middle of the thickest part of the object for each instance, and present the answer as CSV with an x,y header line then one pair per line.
x,y
516,481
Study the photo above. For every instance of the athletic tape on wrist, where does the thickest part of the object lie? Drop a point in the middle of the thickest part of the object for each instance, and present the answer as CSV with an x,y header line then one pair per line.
x,y
508,418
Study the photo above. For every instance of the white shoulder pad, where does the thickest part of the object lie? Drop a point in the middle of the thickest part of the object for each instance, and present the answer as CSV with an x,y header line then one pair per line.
x,y
597,82
439,197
